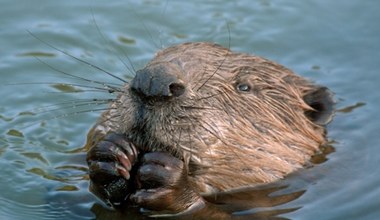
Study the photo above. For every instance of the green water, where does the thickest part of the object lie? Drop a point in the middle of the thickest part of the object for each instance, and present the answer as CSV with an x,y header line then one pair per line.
x,y
43,173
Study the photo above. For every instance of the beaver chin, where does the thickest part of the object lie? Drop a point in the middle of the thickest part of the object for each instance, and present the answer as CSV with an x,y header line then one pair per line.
x,y
159,126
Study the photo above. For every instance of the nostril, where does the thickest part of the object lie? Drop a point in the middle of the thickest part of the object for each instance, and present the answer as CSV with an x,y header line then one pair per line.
x,y
177,89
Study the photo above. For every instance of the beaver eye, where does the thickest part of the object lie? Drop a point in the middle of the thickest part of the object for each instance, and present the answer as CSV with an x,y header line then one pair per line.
x,y
242,87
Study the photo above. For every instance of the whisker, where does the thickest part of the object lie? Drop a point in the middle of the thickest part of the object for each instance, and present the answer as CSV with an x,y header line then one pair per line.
x,y
129,67
73,106
213,74
65,115
214,132
76,58
190,149
230,150
179,139
211,96
109,118
75,101
225,57
66,104
99,89
106,85
79,91
146,29
229,36
165,7
198,108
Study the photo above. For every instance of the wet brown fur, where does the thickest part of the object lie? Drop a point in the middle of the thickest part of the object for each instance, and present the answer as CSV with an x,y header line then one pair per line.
x,y
229,138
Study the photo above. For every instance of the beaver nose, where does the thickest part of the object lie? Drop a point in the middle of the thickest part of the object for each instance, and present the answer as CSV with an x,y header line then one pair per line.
x,y
157,82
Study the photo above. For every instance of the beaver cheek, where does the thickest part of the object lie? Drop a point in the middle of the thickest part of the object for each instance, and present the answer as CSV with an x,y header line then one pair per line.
x,y
128,116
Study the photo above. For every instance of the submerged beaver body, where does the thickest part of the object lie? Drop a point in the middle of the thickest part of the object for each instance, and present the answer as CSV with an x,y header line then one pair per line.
x,y
231,119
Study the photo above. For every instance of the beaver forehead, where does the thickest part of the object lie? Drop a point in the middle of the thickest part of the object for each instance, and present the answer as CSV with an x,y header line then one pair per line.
x,y
202,58
192,51
191,58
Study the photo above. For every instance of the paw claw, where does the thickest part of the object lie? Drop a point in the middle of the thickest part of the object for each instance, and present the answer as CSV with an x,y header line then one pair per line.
x,y
123,172
110,162
124,160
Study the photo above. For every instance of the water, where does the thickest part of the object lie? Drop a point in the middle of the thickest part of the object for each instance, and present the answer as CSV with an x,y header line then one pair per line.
x,y
335,43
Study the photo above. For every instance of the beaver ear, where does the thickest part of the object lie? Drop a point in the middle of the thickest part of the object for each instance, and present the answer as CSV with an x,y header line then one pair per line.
x,y
321,100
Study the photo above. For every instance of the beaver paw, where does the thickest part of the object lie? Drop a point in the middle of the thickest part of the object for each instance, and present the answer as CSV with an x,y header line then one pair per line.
x,y
110,162
163,184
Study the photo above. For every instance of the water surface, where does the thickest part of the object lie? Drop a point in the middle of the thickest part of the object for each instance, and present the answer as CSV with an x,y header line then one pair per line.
x,y
43,175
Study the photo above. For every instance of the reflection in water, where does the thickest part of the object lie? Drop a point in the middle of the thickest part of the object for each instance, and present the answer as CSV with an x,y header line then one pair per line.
x,y
256,201
103,213
260,202
36,54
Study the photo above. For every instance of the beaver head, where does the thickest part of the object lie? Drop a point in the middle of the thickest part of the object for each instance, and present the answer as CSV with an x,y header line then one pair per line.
x,y
236,119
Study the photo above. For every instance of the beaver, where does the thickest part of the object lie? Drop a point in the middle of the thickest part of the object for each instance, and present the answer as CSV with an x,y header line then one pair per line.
x,y
201,119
